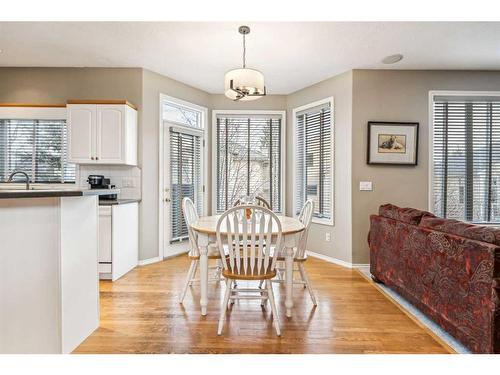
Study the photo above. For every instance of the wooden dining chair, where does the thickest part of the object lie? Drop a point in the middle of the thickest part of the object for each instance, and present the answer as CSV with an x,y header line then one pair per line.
x,y
255,260
300,254
190,216
259,201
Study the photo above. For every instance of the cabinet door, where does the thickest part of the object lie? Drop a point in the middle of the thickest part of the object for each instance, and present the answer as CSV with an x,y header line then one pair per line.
x,y
81,133
110,134
125,238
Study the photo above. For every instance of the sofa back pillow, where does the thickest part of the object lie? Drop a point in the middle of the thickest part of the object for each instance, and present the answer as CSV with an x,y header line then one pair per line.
x,y
459,228
406,215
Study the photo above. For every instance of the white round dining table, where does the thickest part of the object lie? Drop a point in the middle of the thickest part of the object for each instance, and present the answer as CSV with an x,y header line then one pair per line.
x,y
205,227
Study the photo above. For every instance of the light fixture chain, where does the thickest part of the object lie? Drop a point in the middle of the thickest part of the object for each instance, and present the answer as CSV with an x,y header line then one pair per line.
x,y
244,52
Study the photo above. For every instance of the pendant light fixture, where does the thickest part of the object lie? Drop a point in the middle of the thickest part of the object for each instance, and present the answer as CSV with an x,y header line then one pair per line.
x,y
244,84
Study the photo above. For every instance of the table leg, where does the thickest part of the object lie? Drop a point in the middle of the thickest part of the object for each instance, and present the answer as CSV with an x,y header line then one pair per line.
x,y
203,246
289,280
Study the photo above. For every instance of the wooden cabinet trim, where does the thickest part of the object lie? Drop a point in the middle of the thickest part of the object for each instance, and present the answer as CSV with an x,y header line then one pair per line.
x,y
110,101
32,105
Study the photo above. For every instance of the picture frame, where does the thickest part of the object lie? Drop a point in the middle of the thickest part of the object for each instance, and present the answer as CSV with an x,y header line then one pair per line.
x,y
392,143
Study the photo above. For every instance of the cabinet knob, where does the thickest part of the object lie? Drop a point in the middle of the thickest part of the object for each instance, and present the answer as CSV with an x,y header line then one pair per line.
x,y
91,158
96,158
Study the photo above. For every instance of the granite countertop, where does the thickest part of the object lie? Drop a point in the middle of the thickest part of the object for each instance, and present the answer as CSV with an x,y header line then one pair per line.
x,y
113,202
44,193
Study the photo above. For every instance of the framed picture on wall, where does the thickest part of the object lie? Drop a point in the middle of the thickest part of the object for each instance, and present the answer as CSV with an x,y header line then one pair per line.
x,y
392,143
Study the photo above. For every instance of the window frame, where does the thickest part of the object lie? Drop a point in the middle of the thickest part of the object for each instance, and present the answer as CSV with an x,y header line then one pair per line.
x,y
432,94
38,112
295,111
214,148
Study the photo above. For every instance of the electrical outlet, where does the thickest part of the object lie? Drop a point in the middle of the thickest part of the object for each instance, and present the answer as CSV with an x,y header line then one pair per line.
x,y
327,237
127,182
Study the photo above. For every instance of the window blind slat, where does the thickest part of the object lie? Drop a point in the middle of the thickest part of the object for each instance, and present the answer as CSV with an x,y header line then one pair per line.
x,y
466,163
313,150
37,147
248,159
185,176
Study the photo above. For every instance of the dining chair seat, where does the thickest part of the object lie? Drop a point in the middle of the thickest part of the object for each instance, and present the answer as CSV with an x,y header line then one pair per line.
x,y
241,274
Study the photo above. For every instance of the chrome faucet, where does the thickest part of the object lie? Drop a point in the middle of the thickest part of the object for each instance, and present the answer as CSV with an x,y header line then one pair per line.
x,y
23,173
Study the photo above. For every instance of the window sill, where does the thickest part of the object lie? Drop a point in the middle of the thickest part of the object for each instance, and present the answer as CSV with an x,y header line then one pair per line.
x,y
328,222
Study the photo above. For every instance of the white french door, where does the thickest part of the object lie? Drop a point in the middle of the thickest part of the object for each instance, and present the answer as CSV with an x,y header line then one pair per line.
x,y
183,177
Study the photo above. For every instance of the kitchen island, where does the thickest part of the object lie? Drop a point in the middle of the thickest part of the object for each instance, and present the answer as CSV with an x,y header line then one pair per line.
x,y
49,291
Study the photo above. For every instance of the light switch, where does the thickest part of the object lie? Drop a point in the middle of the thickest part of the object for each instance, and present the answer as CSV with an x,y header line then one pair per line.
x,y
365,186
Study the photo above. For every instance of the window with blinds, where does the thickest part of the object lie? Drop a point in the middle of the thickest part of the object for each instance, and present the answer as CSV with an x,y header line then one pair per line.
x,y
466,158
314,160
37,147
185,176
248,159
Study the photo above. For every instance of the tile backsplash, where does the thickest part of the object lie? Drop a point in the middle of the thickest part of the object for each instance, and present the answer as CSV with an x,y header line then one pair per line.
x,y
126,178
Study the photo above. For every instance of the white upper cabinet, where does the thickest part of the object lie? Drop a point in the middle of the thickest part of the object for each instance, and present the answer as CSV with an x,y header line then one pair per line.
x,y
102,133
111,133
81,134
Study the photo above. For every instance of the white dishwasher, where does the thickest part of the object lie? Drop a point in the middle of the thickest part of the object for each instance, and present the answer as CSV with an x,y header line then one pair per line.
x,y
105,241
118,239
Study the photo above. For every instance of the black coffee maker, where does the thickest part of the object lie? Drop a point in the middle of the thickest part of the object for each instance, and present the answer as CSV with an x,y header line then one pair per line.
x,y
97,181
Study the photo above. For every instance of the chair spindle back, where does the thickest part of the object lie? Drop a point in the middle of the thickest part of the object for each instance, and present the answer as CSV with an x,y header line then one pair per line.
x,y
305,217
190,216
250,244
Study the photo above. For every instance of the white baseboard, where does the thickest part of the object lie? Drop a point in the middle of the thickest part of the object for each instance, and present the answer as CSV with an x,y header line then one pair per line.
x,y
149,261
176,254
336,261
326,258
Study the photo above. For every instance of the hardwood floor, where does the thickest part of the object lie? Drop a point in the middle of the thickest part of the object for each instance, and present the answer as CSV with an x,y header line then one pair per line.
x,y
140,313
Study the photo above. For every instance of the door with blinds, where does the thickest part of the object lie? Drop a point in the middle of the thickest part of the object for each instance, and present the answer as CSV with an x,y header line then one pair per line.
x,y
184,179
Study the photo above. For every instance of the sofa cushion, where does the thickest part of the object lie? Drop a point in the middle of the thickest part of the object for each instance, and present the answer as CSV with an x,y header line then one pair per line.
x,y
406,215
459,228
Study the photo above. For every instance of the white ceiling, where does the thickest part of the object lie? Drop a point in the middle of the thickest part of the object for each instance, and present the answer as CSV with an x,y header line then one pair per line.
x,y
292,55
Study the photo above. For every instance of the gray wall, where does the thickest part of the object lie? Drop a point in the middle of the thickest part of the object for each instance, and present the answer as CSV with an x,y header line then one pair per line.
x,y
56,85
396,95
340,87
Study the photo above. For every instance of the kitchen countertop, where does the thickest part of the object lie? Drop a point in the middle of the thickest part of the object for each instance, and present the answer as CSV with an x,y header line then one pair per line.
x,y
43,193
112,202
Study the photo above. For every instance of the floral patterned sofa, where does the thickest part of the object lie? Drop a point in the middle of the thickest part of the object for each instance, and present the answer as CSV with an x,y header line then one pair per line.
x,y
448,269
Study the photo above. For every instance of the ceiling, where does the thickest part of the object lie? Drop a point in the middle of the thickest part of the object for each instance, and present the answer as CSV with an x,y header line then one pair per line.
x,y
292,55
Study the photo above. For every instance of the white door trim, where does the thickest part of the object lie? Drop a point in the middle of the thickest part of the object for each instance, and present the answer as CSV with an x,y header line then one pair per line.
x,y
161,186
